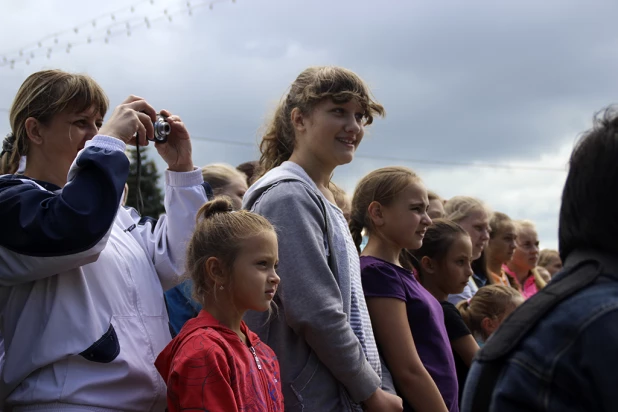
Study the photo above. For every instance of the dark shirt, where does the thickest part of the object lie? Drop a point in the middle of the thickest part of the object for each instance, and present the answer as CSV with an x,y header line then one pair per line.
x,y
456,328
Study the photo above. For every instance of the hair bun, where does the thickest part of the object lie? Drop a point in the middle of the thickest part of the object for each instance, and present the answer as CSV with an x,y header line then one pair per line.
x,y
218,205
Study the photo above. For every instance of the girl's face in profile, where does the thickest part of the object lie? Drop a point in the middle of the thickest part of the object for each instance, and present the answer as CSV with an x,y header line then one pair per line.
x,y
405,220
477,226
255,279
527,252
235,190
454,271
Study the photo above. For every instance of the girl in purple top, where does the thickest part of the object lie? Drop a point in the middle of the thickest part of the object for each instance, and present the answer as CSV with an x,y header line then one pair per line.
x,y
391,205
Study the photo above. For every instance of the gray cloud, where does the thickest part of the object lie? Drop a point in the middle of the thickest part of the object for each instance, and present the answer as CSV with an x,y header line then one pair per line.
x,y
466,81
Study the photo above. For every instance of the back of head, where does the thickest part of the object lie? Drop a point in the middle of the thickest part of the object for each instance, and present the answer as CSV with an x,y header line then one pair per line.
x,y
460,207
546,256
311,87
438,239
250,169
589,199
382,186
491,302
219,175
43,95
219,233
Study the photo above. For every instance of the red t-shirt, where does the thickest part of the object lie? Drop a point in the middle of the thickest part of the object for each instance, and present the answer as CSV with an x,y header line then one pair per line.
x,y
208,368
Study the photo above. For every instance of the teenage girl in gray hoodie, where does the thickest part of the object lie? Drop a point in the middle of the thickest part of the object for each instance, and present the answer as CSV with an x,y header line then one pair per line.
x,y
322,332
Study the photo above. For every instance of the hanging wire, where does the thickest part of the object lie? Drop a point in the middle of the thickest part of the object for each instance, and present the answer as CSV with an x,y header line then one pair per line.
x,y
103,28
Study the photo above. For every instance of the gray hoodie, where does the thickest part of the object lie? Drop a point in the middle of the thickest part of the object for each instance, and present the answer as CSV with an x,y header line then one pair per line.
x,y
322,362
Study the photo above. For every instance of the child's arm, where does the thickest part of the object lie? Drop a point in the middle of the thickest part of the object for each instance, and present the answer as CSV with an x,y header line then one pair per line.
x,y
466,347
393,335
200,379
462,341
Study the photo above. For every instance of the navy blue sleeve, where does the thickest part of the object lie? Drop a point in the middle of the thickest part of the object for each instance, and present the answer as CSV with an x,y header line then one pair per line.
x,y
43,223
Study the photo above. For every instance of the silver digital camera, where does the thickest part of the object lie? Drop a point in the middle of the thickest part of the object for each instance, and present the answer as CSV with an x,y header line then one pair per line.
x,y
162,129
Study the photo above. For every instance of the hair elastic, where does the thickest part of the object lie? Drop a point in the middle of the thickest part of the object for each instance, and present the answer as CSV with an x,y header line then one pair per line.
x,y
7,144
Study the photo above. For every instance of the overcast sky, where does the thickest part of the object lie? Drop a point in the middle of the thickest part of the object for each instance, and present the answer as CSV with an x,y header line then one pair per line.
x,y
510,83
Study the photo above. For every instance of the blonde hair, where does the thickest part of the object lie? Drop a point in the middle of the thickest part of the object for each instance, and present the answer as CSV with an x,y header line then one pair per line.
x,y
431,195
311,87
458,208
219,233
42,96
521,225
546,255
382,186
497,223
489,302
219,175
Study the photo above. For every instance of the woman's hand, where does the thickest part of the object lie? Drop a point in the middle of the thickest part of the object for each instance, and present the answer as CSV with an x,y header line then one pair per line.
x,y
177,150
133,117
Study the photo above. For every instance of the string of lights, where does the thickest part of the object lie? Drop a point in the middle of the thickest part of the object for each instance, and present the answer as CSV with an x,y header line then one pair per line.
x,y
122,22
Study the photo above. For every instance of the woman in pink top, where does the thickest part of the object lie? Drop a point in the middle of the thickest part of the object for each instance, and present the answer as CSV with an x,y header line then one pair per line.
x,y
522,266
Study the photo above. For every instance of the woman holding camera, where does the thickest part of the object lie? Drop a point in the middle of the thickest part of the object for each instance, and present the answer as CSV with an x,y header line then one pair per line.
x,y
81,278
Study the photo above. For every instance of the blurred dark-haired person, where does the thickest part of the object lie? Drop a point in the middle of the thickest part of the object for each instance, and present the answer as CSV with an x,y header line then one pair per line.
x,y
557,351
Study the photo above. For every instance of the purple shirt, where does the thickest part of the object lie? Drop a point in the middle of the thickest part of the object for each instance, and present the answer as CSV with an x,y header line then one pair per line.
x,y
426,320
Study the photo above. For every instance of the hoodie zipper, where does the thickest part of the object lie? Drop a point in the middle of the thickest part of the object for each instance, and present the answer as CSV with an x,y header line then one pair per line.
x,y
257,360
261,373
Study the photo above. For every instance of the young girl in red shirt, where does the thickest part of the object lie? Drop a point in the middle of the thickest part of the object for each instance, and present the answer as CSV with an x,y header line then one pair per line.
x,y
216,363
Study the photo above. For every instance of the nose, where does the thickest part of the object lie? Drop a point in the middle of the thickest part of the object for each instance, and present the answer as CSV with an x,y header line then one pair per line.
x,y
469,271
485,235
274,279
353,125
426,220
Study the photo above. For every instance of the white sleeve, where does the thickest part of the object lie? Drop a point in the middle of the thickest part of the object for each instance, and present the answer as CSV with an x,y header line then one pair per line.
x,y
166,240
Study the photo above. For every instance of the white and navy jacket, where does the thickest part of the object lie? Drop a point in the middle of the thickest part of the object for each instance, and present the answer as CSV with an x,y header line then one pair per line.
x,y
82,282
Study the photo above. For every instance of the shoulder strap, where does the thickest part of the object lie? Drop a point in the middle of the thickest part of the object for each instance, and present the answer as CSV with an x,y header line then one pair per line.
x,y
583,273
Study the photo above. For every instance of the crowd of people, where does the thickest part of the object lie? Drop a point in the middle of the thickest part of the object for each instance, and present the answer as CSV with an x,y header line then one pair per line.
x,y
265,287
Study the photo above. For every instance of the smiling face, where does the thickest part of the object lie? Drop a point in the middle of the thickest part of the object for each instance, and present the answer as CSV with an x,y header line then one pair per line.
x,y
476,223
330,134
254,273
405,220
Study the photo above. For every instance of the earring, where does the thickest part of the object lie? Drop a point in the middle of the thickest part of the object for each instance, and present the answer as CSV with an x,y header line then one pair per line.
x,y
221,287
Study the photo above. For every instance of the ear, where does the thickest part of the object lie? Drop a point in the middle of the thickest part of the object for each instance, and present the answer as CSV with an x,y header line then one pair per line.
x,y
33,130
428,264
298,120
488,325
214,270
376,214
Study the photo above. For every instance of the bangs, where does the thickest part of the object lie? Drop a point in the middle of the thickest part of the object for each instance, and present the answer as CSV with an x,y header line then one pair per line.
x,y
341,86
79,94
